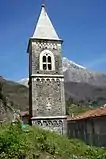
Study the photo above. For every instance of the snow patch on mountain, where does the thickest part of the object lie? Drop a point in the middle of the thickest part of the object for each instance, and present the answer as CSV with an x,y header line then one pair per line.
x,y
67,64
24,81
76,73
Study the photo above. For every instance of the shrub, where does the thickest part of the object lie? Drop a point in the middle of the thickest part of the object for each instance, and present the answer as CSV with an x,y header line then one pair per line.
x,y
17,144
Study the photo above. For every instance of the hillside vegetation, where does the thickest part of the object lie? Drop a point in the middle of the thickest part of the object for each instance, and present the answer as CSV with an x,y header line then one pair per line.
x,y
17,94
73,109
13,98
85,94
34,143
79,97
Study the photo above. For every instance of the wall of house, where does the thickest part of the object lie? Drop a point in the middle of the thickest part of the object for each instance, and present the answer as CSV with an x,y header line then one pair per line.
x,y
100,131
92,131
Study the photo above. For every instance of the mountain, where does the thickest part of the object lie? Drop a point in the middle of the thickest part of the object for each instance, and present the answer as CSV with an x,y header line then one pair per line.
x,y
67,64
85,94
81,85
77,73
16,96
16,93
24,81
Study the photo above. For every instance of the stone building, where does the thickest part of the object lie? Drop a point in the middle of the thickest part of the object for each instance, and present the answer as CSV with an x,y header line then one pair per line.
x,y
46,80
89,127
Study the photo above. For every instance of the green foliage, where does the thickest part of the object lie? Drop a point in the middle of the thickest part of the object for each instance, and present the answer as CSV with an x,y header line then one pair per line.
x,y
75,109
17,94
12,141
34,143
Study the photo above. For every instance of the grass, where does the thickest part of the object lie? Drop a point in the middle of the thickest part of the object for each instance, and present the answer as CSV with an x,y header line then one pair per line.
x,y
36,143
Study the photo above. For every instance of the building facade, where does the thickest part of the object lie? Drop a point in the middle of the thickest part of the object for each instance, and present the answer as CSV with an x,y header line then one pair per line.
x,y
46,80
89,127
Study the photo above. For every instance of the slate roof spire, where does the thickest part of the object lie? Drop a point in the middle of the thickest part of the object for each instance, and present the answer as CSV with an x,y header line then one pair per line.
x,y
44,28
43,3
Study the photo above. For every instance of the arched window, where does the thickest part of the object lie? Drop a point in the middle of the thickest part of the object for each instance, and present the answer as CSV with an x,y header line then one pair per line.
x,y
47,60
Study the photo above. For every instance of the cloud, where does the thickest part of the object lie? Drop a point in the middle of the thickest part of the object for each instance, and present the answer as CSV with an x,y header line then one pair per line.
x,y
96,62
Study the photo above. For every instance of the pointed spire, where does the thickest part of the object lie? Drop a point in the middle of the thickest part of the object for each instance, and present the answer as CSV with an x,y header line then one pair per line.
x,y
43,3
44,28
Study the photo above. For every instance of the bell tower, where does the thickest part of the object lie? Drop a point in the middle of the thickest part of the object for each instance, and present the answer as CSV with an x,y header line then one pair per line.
x,y
46,80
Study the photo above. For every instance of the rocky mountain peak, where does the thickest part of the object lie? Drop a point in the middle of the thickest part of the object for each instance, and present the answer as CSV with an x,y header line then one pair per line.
x,y
76,73
67,64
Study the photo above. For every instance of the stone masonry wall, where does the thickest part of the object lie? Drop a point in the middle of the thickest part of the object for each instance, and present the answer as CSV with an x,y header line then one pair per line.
x,y
48,97
55,48
57,125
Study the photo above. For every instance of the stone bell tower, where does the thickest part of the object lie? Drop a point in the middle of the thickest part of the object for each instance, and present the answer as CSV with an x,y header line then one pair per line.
x,y
46,80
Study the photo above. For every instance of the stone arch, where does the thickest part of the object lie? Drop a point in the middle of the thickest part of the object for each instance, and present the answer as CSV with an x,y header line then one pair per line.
x,y
47,61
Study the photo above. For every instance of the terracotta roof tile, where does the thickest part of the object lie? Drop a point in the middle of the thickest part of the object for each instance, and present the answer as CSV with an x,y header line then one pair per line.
x,y
90,114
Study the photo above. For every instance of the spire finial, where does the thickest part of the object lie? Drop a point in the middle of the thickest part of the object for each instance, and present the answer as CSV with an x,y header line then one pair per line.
x,y
43,3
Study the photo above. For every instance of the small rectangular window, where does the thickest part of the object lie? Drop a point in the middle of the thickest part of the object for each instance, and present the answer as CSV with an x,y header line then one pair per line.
x,y
44,58
44,67
49,59
49,67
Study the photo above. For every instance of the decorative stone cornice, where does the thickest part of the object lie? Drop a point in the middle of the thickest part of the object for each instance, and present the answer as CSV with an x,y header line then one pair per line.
x,y
47,75
49,117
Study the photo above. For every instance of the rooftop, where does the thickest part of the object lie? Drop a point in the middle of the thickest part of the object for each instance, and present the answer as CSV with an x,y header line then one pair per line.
x,y
44,28
98,112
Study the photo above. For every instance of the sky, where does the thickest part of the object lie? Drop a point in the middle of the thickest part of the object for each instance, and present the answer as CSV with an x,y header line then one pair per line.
x,y
80,23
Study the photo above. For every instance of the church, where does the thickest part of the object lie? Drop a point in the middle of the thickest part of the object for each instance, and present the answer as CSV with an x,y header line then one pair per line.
x,y
46,90
46,79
